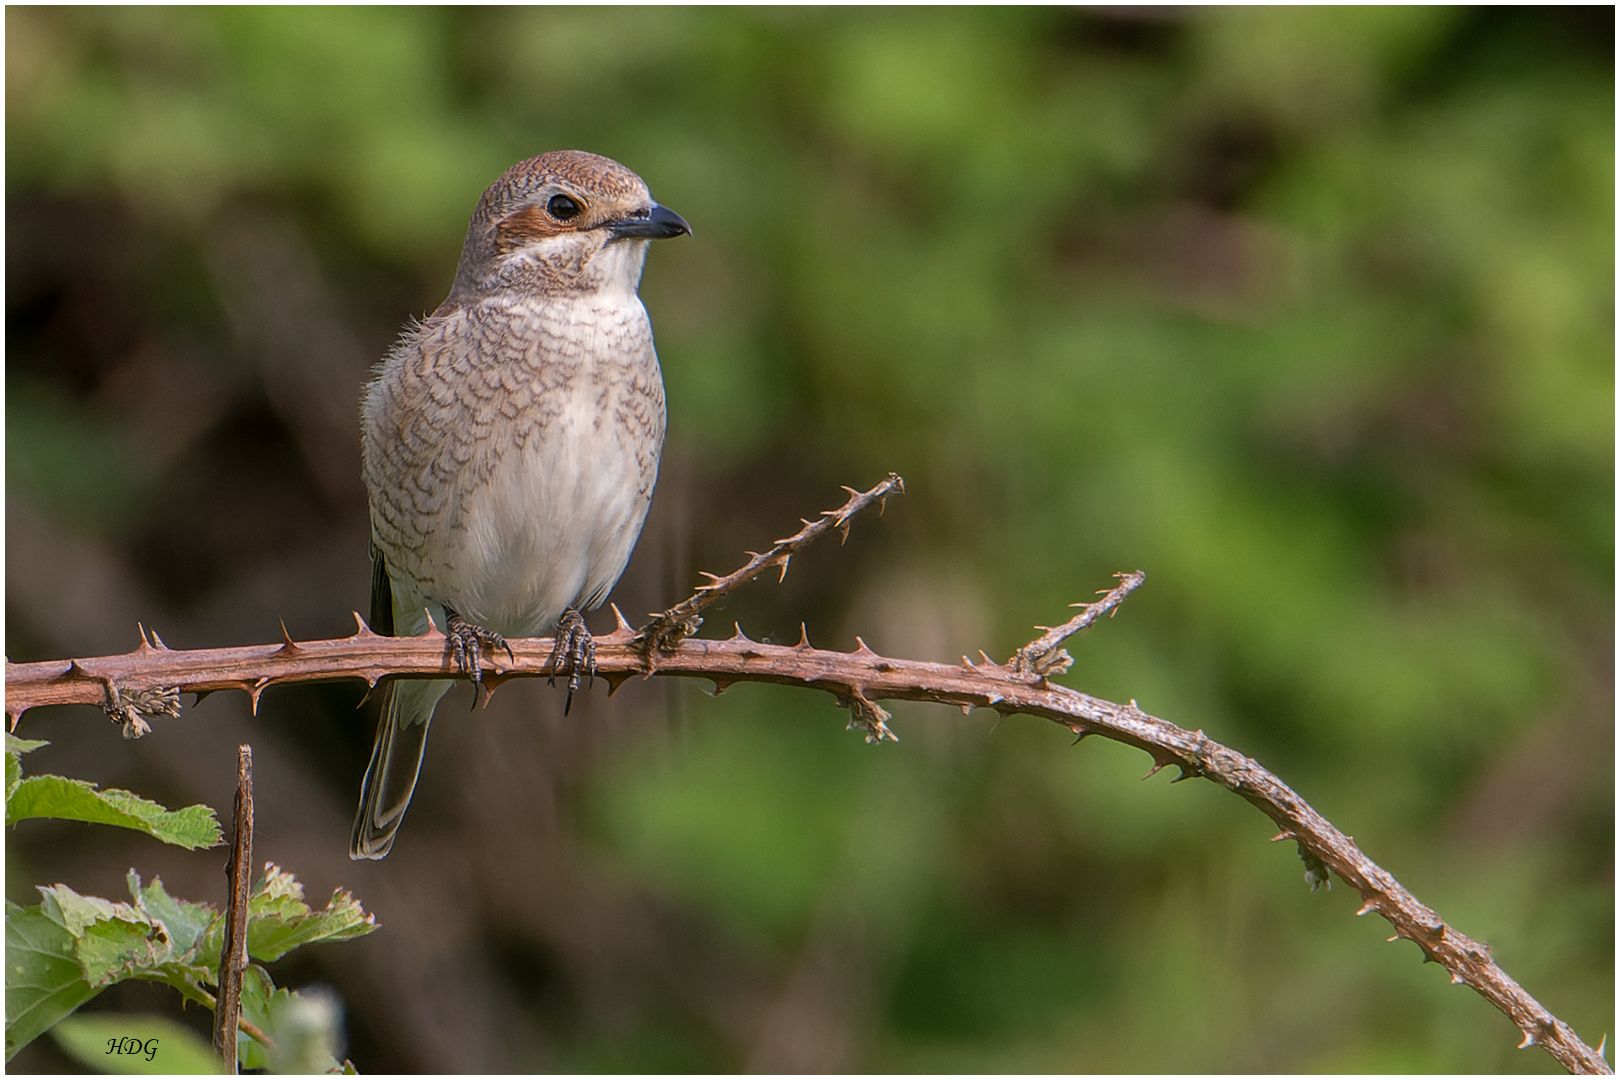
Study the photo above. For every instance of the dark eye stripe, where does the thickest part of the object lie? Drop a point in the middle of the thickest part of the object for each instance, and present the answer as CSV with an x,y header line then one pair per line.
x,y
562,208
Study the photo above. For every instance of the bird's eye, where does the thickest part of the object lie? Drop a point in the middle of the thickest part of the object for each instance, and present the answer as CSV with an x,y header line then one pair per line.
x,y
562,208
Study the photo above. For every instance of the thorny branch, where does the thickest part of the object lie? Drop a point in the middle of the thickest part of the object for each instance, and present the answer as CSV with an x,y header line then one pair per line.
x,y
668,628
1043,657
152,672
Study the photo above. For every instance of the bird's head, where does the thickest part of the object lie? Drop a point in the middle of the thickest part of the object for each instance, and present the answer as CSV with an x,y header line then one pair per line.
x,y
563,223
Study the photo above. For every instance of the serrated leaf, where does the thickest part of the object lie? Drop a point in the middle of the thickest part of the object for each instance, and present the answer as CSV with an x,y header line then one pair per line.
x,y
75,913
114,950
63,952
279,920
14,745
272,936
186,922
114,941
43,979
78,800
15,749
106,1042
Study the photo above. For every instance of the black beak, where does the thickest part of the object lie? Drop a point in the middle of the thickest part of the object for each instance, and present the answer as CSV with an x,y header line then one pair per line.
x,y
654,223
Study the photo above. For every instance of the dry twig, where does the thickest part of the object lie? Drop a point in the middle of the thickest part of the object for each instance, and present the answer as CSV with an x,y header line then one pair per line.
x,y
233,958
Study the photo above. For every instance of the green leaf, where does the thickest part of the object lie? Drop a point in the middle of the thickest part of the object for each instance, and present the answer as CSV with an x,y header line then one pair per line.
x,y
43,980
107,1042
78,800
14,745
114,950
304,1029
257,992
186,922
279,920
63,952
15,749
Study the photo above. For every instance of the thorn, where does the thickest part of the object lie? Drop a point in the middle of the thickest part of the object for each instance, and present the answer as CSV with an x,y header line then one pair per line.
x,y
966,707
739,635
1456,978
287,643
361,630
157,641
205,693
615,681
1369,904
492,682
852,494
432,627
861,648
1080,734
1284,835
966,662
1186,774
721,686
1529,1038
1396,936
714,579
987,659
752,554
994,698
804,637
783,575
620,623
1157,765
255,691
1602,1043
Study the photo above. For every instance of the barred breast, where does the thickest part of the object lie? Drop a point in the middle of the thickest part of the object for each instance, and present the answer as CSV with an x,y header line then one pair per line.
x,y
510,450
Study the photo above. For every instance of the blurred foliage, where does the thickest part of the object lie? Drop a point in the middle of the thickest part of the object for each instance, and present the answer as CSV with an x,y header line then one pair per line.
x,y
1307,312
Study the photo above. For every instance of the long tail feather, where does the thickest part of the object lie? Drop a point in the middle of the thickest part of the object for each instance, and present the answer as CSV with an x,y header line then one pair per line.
x,y
396,758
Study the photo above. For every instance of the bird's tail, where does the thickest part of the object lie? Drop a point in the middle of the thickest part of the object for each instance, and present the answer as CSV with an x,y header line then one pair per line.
x,y
396,758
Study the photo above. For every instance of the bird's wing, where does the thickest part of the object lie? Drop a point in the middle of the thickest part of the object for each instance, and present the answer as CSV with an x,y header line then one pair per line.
x,y
382,595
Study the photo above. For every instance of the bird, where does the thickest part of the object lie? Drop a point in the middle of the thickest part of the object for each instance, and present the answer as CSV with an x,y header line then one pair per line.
x,y
510,444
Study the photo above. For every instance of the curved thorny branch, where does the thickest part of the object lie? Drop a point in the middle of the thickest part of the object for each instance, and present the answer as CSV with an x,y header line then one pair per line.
x,y
149,679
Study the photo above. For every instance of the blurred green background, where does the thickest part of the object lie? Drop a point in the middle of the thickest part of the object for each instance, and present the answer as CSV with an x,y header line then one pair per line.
x,y
1308,313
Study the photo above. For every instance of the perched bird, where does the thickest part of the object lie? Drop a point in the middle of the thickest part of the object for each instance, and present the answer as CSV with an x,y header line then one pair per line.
x,y
510,442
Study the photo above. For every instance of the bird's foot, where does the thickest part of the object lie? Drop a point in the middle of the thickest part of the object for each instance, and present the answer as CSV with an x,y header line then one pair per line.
x,y
466,644
573,655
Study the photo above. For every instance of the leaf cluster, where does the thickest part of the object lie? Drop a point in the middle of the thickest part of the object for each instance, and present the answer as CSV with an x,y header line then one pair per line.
x,y
63,951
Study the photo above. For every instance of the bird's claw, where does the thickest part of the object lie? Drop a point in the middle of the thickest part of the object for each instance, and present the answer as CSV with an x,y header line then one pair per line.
x,y
466,645
574,654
